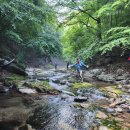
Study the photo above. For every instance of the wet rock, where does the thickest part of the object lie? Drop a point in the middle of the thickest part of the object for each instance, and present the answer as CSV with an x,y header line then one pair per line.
x,y
103,128
119,78
85,105
69,93
69,84
3,89
42,79
119,72
118,119
27,84
80,99
56,81
111,100
129,91
63,82
110,110
39,90
120,86
26,127
101,115
106,78
27,90
118,109
64,96
127,86
96,72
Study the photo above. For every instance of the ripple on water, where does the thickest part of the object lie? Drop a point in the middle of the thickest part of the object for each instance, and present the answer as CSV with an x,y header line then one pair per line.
x,y
60,115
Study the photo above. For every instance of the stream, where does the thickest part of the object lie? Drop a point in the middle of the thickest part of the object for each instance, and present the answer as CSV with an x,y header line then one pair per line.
x,y
71,109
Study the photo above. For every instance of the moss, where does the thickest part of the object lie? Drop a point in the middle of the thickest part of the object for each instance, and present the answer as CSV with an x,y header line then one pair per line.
x,y
81,85
43,84
112,89
112,124
13,79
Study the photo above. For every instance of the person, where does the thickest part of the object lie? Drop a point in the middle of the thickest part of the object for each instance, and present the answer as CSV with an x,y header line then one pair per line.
x,y
80,66
67,65
56,65
128,58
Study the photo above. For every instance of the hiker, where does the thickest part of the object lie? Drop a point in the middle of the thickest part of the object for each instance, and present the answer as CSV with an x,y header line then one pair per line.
x,y
80,66
68,65
56,65
128,58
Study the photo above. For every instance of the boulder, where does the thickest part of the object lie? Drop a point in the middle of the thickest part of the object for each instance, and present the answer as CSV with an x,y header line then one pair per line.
x,y
3,89
106,78
15,69
118,109
80,99
101,115
119,72
96,72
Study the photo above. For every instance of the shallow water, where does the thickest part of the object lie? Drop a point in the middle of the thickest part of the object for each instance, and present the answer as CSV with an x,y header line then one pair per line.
x,y
59,114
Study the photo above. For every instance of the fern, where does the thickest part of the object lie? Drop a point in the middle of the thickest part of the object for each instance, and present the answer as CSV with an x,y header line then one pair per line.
x,y
117,37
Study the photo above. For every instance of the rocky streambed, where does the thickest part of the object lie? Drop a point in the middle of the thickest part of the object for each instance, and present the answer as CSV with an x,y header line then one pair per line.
x,y
56,100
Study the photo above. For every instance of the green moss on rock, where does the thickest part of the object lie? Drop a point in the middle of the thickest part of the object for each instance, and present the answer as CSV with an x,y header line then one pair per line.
x,y
81,85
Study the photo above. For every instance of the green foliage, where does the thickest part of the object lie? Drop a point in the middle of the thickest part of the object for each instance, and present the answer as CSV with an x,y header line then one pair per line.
x,y
117,37
30,24
96,27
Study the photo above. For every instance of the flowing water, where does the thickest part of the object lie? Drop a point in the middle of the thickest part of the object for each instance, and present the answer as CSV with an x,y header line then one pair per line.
x,y
61,113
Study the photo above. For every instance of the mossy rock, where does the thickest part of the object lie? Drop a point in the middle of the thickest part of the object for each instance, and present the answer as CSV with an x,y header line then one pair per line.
x,y
81,85
112,89
44,85
13,79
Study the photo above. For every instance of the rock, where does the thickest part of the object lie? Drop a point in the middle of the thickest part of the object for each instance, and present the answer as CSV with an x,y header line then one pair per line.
x,y
103,128
111,100
27,84
118,109
69,93
27,90
110,110
101,115
3,89
96,72
69,84
119,86
26,127
129,91
56,81
117,102
85,105
119,78
118,119
63,82
39,90
15,69
80,99
119,72
106,78
127,86
42,79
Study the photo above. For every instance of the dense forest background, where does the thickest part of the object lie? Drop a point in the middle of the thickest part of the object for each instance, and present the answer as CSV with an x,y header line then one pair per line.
x,y
28,28
84,28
